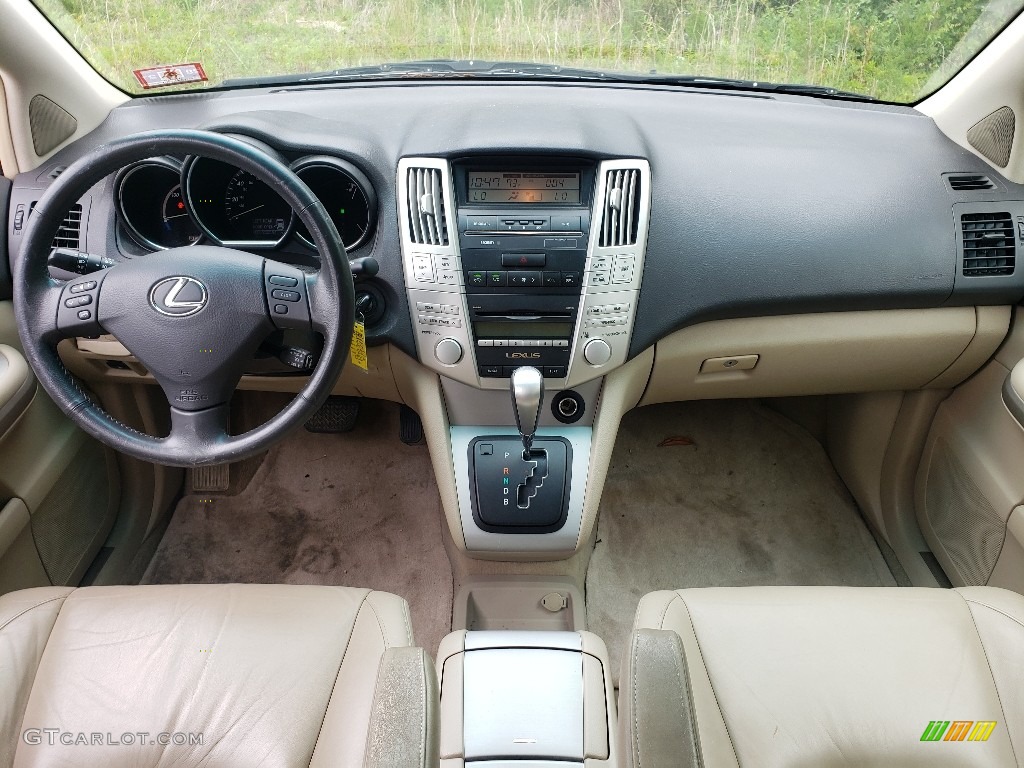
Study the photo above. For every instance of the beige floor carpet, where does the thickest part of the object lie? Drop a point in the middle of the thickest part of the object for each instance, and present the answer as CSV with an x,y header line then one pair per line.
x,y
739,496
358,509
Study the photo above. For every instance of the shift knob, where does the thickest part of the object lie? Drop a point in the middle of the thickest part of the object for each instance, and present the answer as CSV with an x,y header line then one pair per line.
x,y
527,397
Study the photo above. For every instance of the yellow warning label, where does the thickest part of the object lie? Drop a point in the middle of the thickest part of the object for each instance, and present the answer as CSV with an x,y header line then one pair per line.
x,y
357,351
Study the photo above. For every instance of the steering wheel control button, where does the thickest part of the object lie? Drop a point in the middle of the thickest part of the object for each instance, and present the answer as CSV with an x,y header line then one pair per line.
x,y
84,314
294,313
86,286
287,282
72,318
78,301
597,352
178,296
448,351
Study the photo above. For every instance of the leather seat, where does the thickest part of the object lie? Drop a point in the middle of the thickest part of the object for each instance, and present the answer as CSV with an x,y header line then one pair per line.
x,y
825,676
268,675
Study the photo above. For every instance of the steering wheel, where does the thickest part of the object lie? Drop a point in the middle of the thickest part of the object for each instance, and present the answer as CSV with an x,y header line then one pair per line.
x,y
192,316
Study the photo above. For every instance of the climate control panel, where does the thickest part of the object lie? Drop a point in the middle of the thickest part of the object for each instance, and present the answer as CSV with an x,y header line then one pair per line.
x,y
523,262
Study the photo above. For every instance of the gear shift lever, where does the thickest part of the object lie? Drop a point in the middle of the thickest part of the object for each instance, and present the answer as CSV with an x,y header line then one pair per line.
x,y
527,397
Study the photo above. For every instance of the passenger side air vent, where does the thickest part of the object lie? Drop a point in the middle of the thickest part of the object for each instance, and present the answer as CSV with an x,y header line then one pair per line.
x,y
973,182
427,224
989,244
621,213
70,232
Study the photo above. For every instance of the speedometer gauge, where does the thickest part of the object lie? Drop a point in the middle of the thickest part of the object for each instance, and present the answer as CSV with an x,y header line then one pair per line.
x,y
233,207
253,210
347,196
177,225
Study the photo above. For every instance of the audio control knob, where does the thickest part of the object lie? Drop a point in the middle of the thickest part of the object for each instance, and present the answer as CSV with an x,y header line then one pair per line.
x,y
597,352
448,351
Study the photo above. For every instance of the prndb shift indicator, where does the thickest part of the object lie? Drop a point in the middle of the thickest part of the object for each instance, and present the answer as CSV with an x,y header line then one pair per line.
x,y
523,187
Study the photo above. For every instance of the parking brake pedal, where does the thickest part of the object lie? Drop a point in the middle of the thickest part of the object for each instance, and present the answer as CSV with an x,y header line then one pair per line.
x,y
338,414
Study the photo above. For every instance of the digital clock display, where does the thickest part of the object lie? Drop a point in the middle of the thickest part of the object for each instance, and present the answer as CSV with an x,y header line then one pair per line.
x,y
523,187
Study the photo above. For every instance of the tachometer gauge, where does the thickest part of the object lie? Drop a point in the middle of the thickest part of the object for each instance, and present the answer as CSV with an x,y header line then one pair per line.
x,y
151,205
347,195
233,207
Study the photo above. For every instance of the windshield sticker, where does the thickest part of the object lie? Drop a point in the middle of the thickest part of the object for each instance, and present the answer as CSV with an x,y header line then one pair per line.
x,y
170,74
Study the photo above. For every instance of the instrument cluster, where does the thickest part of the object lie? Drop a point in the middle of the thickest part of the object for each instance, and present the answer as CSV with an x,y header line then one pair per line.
x,y
168,203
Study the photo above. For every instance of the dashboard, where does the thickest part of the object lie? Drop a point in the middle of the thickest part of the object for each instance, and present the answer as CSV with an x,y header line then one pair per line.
x,y
495,210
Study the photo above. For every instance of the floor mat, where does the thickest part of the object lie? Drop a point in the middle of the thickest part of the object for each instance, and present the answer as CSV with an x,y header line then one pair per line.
x,y
357,509
720,493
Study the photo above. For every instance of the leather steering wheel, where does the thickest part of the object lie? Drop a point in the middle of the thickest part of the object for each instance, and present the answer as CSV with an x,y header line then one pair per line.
x,y
192,316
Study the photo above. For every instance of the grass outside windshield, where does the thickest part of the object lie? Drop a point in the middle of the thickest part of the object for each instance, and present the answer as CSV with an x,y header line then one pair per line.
x,y
894,50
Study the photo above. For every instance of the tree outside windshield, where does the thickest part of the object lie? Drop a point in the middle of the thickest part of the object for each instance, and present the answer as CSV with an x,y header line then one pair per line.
x,y
894,50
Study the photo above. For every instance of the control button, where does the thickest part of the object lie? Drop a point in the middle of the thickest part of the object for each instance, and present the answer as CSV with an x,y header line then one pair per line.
x,y
722,364
426,306
450,309
84,314
445,262
447,277
523,259
79,287
280,309
554,371
485,342
485,223
597,352
19,218
560,343
571,279
448,351
422,268
78,301
490,371
287,282
281,295
546,342
500,342
476,279
496,279
526,279
554,243
605,322
622,272
446,322
600,278
552,279
601,263
564,223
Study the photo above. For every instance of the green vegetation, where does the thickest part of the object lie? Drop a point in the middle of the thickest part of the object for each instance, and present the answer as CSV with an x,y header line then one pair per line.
x,y
891,49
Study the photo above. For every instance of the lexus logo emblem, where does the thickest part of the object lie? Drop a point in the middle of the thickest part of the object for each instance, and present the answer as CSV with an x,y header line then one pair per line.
x,y
178,296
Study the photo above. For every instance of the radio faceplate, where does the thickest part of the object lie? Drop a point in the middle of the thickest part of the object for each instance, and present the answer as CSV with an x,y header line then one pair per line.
x,y
493,287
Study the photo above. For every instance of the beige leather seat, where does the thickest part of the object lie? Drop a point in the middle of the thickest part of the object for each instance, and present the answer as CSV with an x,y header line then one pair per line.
x,y
825,676
268,675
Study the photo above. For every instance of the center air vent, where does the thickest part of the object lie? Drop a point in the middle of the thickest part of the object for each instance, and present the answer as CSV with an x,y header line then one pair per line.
x,y
989,244
971,182
621,213
427,225
70,231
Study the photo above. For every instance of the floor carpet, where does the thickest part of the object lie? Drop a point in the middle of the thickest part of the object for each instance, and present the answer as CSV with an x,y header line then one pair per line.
x,y
720,493
358,509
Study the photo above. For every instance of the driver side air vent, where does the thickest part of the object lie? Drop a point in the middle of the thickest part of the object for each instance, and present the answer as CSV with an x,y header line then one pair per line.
x,y
989,244
69,233
620,215
427,224
974,182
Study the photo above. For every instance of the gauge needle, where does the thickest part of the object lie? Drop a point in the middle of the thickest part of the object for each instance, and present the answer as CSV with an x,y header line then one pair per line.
x,y
175,216
232,218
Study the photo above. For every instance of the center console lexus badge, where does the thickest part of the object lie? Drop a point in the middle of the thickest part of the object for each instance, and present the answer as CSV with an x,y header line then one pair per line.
x,y
178,296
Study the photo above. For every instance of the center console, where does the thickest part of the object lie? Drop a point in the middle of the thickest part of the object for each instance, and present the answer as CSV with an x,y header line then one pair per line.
x,y
514,261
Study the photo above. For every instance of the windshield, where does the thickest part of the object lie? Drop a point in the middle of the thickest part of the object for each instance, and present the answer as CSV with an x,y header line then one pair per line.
x,y
894,50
